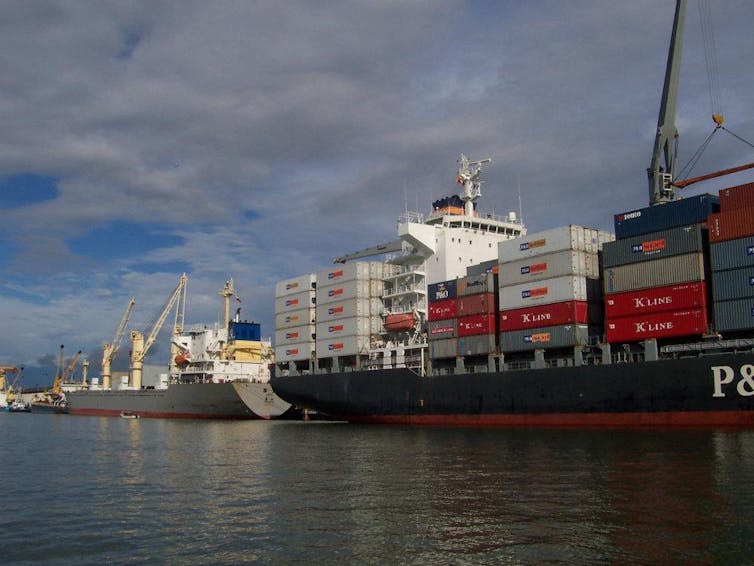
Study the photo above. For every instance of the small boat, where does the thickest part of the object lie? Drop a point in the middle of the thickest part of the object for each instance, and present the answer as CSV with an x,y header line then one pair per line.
x,y
18,406
129,415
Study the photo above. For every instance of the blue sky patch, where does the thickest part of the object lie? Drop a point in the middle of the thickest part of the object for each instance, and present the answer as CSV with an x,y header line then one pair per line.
x,y
122,239
25,189
251,215
177,267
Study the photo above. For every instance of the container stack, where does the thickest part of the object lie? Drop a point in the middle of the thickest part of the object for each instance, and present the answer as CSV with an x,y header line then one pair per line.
x,y
550,294
731,234
462,317
654,273
294,318
349,309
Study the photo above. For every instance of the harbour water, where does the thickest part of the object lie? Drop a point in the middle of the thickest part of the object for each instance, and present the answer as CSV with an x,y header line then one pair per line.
x,y
92,490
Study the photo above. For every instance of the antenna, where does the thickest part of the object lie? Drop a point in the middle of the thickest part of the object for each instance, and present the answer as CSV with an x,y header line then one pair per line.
x,y
520,208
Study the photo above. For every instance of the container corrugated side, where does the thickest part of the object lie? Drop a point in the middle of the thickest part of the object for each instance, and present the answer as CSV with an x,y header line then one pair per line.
x,y
354,289
569,237
655,245
682,212
557,264
476,304
443,349
442,310
303,300
554,314
346,309
296,285
667,324
684,296
658,273
295,335
294,318
354,326
557,290
294,352
476,324
734,315
342,346
475,284
443,329
732,254
731,225
477,345
741,196
733,284
544,338
484,267
441,291
358,270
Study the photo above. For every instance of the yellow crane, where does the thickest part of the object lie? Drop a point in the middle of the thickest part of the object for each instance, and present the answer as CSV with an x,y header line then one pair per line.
x,y
62,376
140,346
9,388
110,349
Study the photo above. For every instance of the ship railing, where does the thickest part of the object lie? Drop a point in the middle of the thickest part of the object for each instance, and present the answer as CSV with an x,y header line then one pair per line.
x,y
734,344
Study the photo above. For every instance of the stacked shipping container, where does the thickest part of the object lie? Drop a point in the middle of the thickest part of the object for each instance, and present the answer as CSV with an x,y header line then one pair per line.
x,y
655,281
731,234
294,318
549,292
349,308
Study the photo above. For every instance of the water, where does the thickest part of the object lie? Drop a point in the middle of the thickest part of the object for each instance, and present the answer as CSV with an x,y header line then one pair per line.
x,y
89,490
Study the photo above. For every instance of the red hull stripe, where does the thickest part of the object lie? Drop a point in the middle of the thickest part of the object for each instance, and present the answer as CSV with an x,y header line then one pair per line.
x,y
661,419
157,415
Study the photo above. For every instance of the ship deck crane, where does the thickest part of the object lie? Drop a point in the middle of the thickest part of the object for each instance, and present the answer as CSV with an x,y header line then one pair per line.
x,y
662,168
61,377
9,388
140,346
110,350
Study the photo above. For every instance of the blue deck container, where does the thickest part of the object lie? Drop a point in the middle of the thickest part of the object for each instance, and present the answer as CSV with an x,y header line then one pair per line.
x,y
682,212
245,331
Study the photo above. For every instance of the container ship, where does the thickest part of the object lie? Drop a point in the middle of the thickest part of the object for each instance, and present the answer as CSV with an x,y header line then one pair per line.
x,y
469,320
215,372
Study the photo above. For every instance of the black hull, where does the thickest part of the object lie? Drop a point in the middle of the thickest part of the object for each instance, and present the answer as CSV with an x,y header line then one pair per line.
x,y
714,390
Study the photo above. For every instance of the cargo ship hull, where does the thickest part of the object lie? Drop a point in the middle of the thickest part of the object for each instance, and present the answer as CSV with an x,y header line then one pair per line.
x,y
712,391
180,400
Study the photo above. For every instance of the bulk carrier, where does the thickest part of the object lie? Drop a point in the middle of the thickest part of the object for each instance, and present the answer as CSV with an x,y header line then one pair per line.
x,y
469,320
215,372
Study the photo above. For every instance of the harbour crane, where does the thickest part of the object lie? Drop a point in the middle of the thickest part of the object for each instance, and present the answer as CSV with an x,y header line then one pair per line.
x,y
140,346
9,388
109,350
62,376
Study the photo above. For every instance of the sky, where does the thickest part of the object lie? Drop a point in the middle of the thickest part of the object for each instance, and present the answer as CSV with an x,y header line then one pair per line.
x,y
257,140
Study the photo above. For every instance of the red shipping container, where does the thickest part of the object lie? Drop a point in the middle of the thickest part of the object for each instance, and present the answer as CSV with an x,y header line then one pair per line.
x,y
731,225
483,303
442,310
554,314
657,299
476,324
741,196
657,325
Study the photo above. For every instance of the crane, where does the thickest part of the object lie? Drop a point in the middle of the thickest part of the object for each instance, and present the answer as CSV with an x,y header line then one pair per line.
x,y
140,346
60,378
109,350
9,388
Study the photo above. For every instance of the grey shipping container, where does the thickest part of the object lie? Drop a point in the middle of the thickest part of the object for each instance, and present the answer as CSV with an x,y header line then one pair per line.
x,y
658,273
294,318
440,329
298,301
445,348
294,352
544,338
655,245
682,212
732,254
557,239
555,290
476,284
477,345
556,264
734,315
484,267
733,284
296,285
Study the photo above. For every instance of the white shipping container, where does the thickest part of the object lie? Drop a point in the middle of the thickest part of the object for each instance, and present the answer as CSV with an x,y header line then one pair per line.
x,y
349,308
354,326
570,237
556,290
295,285
342,346
294,318
548,266
355,289
359,270
294,352
303,300
295,335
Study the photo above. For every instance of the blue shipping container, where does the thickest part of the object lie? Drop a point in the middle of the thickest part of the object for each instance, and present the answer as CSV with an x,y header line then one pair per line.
x,y
244,331
682,212
442,291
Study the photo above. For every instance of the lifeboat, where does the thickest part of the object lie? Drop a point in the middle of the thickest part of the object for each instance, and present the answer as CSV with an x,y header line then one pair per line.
x,y
402,322
182,359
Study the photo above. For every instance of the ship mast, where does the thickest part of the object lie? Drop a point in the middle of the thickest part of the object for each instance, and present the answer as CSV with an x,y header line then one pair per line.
x,y
468,178
661,170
